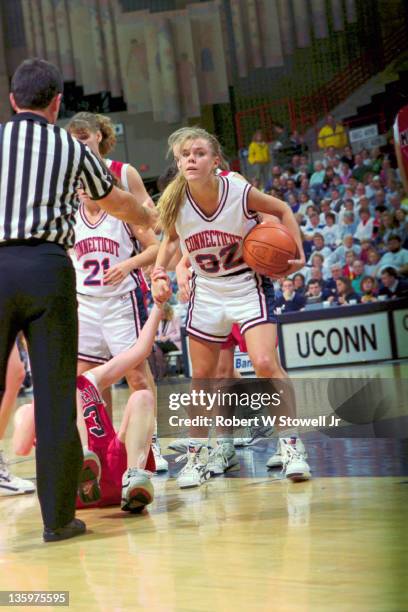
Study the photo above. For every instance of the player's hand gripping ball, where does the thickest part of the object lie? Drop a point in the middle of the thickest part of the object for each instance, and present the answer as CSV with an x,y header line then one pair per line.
x,y
269,248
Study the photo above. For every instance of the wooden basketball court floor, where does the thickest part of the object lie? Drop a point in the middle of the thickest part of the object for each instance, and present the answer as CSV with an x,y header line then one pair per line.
x,y
249,541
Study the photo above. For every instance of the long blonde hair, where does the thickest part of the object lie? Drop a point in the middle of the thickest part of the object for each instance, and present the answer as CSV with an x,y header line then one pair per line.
x,y
174,194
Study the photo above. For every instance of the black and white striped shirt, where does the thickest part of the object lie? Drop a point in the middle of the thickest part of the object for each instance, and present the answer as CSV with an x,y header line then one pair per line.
x,y
41,166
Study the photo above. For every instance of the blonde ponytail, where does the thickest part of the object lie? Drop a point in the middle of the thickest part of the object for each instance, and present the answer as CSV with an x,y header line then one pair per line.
x,y
170,201
175,192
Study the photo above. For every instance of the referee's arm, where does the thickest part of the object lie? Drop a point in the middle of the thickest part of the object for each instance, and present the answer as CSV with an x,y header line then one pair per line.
x,y
124,206
97,182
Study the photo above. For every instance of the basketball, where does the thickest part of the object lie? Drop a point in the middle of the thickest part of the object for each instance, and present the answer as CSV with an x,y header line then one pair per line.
x,y
268,247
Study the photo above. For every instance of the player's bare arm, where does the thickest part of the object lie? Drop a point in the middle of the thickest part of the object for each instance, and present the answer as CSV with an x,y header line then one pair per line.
x,y
263,203
136,186
184,273
160,288
112,371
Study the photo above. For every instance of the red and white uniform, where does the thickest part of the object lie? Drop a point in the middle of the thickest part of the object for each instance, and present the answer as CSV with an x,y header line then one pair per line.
x,y
103,440
99,246
224,290
119,169
110,316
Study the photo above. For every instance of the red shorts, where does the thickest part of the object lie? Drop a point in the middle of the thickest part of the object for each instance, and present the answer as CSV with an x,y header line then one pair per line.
x,y
103,440
235,339
114,464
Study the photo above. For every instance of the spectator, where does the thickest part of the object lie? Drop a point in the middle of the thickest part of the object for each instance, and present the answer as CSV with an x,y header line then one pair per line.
x,y
372,187
317,178
282,148
400,216
290,300
359,168
368,289
348,225
345,293
339,255
319,246
348,156
324,208
348,268
305,202
373,258
392,286
376,160
364,229
298,145
314,293
396,256
258,157
331,231
330,287
337,184
293,203
386,228
358,274
168,335
299,283
365,246
332,134
336,200
313,225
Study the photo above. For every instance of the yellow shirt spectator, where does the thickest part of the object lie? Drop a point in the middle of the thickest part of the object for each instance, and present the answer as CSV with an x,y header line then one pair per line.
x,y
258,153
332,134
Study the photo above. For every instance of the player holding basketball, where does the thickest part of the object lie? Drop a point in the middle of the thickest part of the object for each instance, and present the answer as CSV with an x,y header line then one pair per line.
x,y
210,216
122,461
108,261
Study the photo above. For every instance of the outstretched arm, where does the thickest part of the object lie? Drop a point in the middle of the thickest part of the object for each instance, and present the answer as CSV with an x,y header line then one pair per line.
x,y
160,289
113,370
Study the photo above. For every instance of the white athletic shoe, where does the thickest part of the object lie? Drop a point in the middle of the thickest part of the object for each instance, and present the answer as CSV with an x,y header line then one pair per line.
x,y
12,485
196,471
222,459
181,444
292,455
257,434
137,490
162,464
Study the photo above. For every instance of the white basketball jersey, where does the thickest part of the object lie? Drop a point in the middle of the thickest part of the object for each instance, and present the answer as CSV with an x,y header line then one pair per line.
x,y
214,243
99,246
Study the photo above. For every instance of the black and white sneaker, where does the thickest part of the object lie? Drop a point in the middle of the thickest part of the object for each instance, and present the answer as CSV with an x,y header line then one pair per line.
x,y
196,471
10,484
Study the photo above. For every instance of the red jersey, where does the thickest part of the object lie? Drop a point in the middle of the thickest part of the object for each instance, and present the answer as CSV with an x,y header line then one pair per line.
x,y
103,440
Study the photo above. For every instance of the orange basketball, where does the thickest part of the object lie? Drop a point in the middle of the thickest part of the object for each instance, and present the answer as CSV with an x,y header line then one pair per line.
x,y
268,247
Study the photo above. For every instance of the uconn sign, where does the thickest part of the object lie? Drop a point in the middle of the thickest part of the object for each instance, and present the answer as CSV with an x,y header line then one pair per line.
x,y
336,341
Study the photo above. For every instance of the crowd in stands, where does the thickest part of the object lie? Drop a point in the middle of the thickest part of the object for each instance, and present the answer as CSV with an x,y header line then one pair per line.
x,y
352,212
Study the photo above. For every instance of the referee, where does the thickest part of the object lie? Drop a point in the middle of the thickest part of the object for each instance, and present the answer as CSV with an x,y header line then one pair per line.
x,y
41,167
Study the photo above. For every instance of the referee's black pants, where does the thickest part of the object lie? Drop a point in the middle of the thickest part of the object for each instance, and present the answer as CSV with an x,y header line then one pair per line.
x,y
37,296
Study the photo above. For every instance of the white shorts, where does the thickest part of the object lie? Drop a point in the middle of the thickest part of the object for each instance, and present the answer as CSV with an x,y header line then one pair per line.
x,y
108,326
217,303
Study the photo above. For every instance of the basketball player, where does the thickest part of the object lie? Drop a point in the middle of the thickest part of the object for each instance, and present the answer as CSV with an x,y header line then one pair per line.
x,y
10,484
108,262
117,466
210,216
